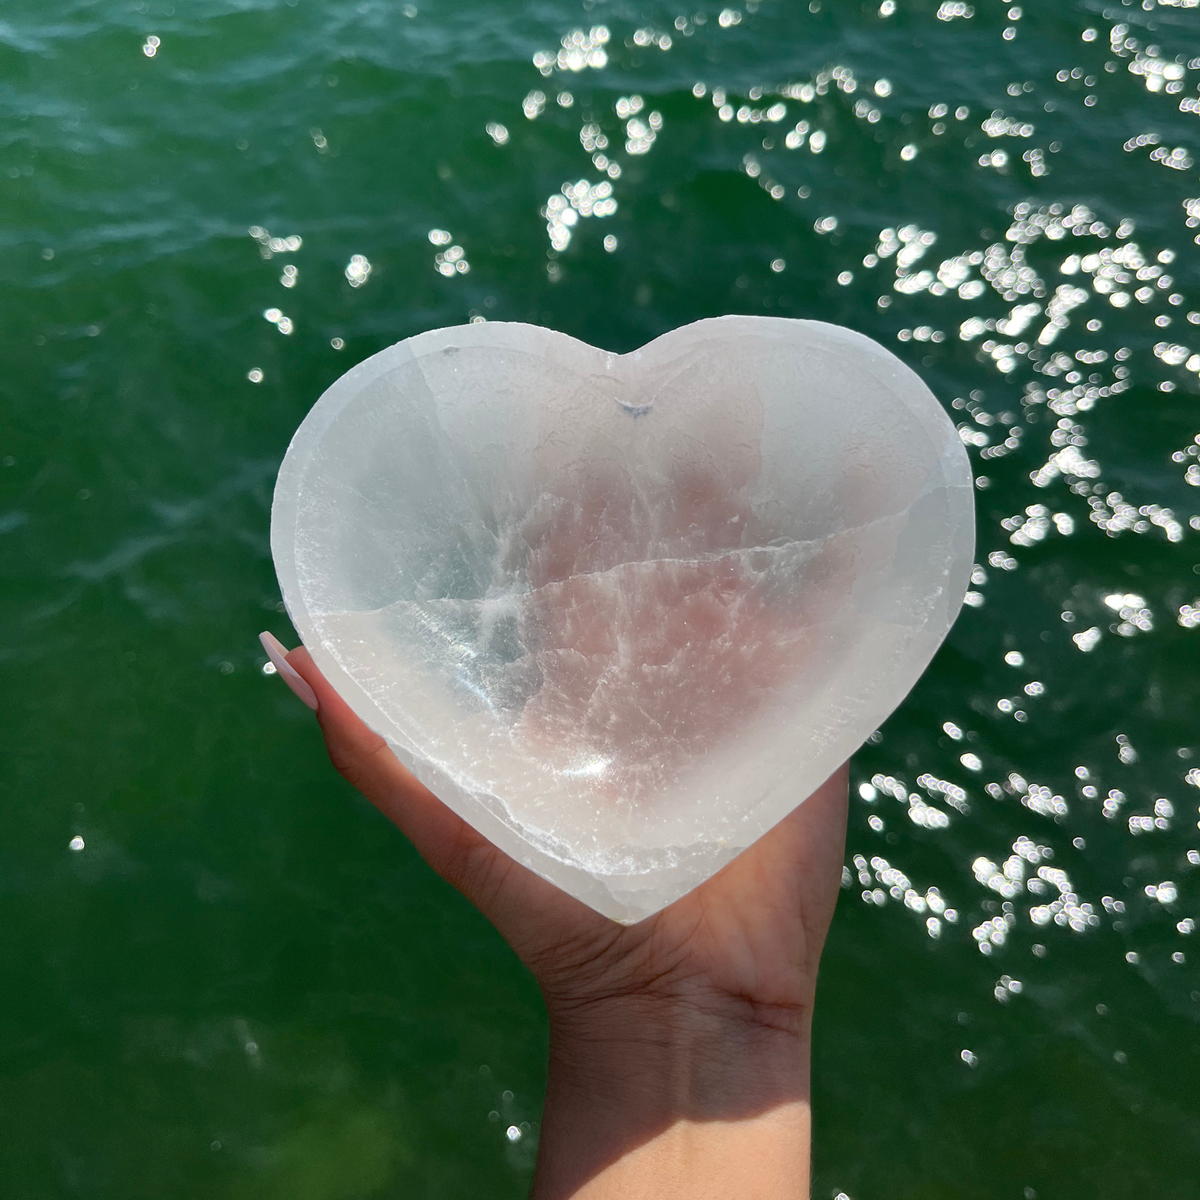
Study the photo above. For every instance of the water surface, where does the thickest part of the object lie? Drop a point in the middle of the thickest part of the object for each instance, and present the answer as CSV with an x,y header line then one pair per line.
x,y
241,982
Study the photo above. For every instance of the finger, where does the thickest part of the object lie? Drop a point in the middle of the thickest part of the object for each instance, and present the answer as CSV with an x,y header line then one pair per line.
x,y
500,887
814,842
818,826
809,843
451,847
277,653
803,854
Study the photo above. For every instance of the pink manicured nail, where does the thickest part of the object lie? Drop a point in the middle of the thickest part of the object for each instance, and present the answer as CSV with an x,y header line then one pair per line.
x,y
278,655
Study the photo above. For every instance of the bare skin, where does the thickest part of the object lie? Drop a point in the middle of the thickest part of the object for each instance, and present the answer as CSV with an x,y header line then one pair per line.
x,y
679,1047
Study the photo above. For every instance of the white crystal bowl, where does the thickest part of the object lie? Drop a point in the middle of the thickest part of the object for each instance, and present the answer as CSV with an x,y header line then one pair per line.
x,y
623,613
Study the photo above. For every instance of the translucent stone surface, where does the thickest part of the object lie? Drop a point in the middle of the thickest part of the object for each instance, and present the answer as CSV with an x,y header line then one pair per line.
x,y
624,612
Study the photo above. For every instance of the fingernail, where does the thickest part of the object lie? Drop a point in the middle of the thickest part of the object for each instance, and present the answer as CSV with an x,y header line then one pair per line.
x,y
278,655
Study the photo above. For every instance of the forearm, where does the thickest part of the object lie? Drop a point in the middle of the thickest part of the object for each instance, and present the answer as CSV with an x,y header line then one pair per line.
x,y
683,1103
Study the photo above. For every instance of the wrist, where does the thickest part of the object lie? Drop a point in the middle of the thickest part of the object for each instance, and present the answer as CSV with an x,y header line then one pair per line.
x,y
680,1093
682,1055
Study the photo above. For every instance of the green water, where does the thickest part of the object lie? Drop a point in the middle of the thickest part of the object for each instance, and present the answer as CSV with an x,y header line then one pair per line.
x,y
245,984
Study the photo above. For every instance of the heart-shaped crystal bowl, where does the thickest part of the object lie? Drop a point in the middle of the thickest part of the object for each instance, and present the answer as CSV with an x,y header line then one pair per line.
x,y
623,613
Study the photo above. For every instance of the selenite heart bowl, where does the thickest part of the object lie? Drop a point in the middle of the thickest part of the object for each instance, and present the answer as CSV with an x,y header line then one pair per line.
x,y
623,613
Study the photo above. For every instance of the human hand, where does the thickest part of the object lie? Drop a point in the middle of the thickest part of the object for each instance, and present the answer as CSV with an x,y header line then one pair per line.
x,y
679,1045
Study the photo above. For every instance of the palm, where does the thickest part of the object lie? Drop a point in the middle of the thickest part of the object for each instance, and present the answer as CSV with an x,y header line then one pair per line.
x,y
752,932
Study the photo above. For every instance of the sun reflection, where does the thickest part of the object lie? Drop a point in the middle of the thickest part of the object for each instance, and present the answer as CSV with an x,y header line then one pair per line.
x,y
1057,315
